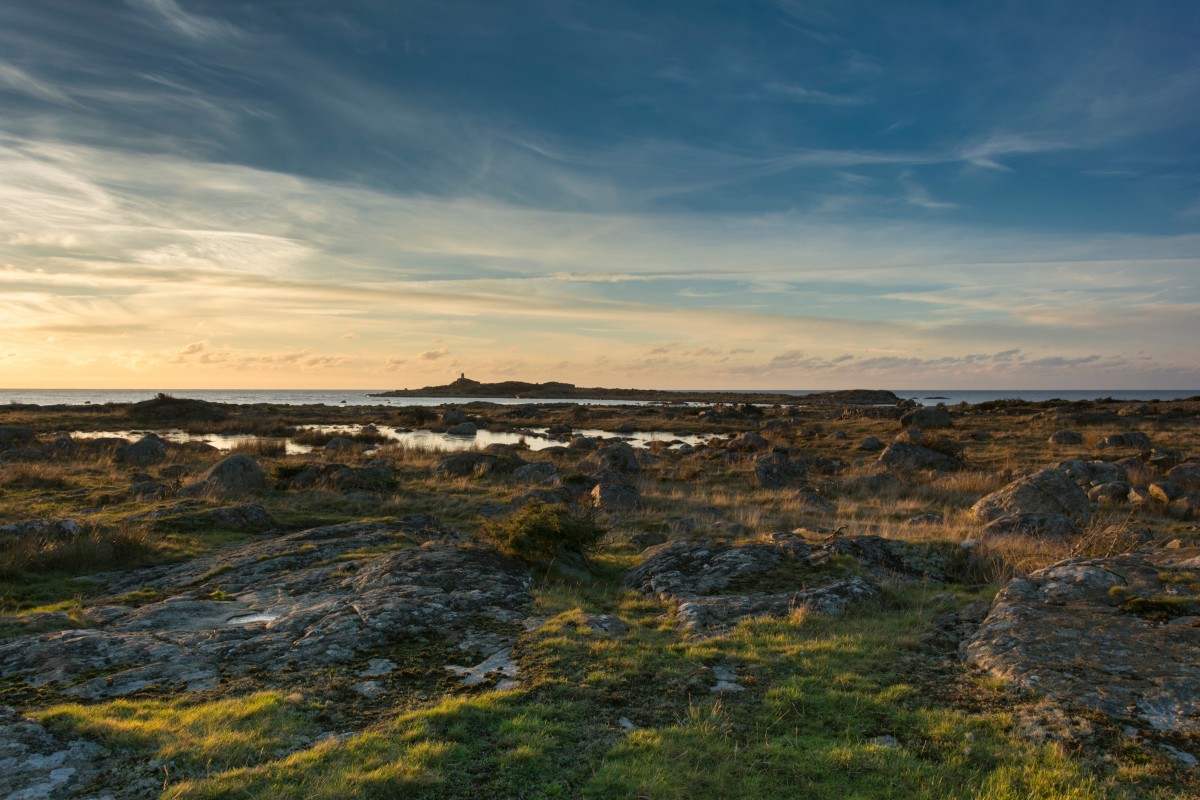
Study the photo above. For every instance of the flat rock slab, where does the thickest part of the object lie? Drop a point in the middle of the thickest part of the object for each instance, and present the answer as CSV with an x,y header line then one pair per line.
x,y
318,597
37,764
1111,634
723,610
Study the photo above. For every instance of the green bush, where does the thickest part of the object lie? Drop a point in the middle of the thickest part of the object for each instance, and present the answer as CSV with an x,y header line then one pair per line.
x,y
540,532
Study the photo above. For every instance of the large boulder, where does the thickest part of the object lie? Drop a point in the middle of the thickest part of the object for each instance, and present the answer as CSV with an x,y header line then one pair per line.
x,y
1066,437
150,449
777,471
1113,635
927,418
1131,439
618,457
314,599
909,456
1048,491
233,475
1031,524
615,496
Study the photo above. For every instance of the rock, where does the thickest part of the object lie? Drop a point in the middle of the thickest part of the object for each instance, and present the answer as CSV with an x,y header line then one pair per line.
x,y
1086,634
908,456
1165,491
1110,493
16,436
371,478
811,500
777,471
880,482
146,451
46,528
871,444
150,491
39,764
341,444
312,599
536,472
618,458
925,519
615,496
720,611
1161,458
927,418
454,417
606,624
245,517
461,465
1103,472
1132,439
1048,491
1066,437
748,441
582,443
463,429
1184,508
232,475
174,472
1040,525
1186,475
687,568
647,539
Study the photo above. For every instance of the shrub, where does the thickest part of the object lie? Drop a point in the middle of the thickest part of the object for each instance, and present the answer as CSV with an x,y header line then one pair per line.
x,y
540,532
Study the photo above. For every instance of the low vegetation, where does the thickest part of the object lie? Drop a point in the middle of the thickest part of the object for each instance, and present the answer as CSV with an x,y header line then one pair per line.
x,y
874,703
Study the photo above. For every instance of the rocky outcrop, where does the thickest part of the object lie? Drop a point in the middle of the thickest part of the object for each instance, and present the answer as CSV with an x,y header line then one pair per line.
x,y
834,598
777,471
927,418
1066,437
464,465
1132,439
909,456
1033,524
1048,491
314,598
231,476
698,574
148,450
39,764
1116,635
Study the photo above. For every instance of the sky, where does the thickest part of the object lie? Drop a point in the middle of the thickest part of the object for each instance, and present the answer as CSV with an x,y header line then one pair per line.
x,y
788,194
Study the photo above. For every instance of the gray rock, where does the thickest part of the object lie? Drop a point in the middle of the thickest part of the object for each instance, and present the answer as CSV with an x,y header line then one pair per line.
x,y
150,491
615,496
146,451
1165,491
1039,525
871,444
310,599
927,418
908,456
461,465
1048,491
1186,475
748,441
46,528
341,444
537,472
1131,439
721,611
233,475
1072,633
648,539
1111,493
777,471
244,517
463,429
39,764
685,568
618,458
1066,437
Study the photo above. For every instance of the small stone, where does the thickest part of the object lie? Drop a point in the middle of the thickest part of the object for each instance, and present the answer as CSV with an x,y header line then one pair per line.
x,y
885,741
625,723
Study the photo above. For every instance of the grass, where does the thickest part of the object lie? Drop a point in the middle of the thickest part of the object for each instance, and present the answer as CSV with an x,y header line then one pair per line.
x,y
819,692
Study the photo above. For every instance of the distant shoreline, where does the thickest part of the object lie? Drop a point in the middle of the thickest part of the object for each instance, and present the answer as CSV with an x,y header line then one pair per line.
x,y
465,388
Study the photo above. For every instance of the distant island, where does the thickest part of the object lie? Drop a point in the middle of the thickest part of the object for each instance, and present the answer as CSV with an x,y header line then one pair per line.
x,y
464,387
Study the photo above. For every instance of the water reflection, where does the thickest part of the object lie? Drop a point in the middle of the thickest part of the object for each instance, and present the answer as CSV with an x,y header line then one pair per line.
x,y
533,438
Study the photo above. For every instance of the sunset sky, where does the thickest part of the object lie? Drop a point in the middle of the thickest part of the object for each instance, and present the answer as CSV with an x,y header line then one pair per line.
x,y
295,194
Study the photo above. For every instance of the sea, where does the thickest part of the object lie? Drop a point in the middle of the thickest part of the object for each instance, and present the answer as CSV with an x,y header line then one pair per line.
x,y
362,397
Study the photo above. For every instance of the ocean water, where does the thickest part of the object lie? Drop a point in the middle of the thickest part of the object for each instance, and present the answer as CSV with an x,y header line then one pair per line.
x,y
361,397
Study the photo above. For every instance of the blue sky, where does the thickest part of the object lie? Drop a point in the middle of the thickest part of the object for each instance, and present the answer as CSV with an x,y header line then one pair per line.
x,y
759,194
